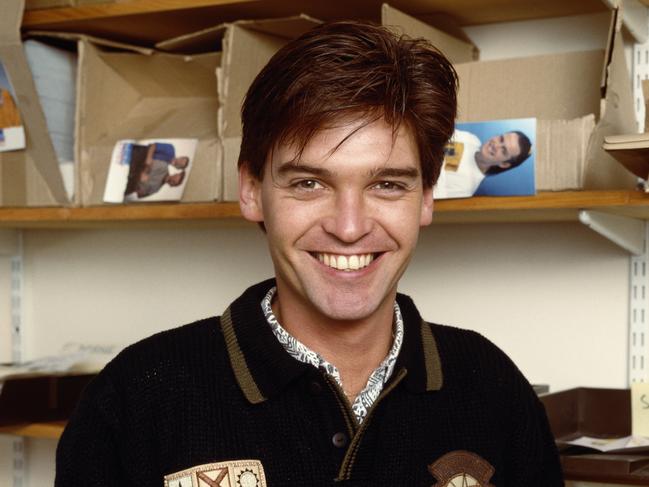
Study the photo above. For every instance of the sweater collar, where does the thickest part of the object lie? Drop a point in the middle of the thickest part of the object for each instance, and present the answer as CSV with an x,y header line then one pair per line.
x,y
263,368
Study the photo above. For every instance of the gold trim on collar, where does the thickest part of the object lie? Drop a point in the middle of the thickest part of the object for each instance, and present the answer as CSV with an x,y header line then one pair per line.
x,y
238,361
434,377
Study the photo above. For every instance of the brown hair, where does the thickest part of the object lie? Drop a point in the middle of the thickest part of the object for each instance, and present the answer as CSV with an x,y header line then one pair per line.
x,y
356,68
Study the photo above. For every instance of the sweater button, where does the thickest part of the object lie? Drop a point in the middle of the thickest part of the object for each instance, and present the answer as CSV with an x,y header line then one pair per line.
x,y
315,388
339,440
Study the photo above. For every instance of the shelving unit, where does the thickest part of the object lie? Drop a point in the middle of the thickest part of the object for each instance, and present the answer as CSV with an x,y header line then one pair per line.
x,y
148,21
544,207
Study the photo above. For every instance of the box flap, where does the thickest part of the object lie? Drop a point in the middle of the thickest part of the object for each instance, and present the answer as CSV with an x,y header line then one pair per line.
x,y
555,86
11,17
205,40
456,50
618,117
256,46
210,39
29,177
98,41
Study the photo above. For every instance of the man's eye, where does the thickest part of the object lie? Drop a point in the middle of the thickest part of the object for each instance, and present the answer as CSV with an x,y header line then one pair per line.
x,y
388,186
308,184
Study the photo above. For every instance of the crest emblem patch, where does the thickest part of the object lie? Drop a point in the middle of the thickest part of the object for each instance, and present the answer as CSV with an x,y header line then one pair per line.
x,y
236,473
462,469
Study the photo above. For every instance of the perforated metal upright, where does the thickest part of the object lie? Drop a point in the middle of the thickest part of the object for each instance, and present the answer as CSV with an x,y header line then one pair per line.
x,y
638,366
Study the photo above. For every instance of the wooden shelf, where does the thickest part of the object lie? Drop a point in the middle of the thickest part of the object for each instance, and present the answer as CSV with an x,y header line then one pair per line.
x,y
51,430
546,206
148,21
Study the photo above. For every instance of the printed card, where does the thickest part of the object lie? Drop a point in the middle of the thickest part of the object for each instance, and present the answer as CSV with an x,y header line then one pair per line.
x,y
12,133
149,170
494,158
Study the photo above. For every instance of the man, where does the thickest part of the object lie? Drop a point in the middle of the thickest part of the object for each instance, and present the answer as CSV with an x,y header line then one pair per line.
x,y
468,161
324,375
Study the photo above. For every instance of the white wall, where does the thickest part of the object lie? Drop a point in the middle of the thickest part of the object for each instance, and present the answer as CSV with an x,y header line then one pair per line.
x,y
553,296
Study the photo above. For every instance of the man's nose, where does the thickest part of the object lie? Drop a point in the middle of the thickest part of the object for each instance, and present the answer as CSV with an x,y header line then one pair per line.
x,y
349,220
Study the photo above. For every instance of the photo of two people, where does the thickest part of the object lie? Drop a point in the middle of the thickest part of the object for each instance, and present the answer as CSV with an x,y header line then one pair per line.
x,y
494,158
149,170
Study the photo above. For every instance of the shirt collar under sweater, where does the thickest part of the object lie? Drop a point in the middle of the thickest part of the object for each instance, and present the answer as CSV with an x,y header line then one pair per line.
x,y
263,369
296,349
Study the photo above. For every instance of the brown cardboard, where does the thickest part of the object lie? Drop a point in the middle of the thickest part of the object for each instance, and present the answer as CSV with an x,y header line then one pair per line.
x,y
551,86
560,152
595,412
40,397
160,96
455,49
29,177
558,87
246,45
602,171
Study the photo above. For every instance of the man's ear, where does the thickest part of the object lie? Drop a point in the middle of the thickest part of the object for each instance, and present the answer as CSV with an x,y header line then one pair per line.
x,y
250,195
426,207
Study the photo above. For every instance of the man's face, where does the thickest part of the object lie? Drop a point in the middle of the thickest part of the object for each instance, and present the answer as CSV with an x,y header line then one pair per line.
x,y
341,223
498,150
180,162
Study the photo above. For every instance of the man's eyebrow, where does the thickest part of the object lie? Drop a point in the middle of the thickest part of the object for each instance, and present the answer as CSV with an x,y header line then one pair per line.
x,y
295,167
395,172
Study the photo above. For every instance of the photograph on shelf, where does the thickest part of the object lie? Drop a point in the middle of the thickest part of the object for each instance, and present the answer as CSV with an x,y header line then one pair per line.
x,y
494,158
12,134
149,170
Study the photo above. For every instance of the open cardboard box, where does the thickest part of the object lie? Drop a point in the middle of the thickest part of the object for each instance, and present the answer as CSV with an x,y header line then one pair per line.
x,y
248,45
40,397
136,95
577,98
29,177
594,412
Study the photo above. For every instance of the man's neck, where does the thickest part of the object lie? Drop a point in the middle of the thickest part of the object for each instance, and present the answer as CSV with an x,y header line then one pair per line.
x,y
356,348
482,165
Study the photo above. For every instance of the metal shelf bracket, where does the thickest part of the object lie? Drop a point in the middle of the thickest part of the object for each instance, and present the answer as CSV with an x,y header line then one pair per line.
x,y
628,233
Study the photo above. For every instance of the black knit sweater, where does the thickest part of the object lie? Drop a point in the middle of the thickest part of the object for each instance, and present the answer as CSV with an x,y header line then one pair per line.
x,y
224,389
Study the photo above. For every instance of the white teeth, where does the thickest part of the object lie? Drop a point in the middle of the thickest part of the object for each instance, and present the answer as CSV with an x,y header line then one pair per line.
x,y
346,262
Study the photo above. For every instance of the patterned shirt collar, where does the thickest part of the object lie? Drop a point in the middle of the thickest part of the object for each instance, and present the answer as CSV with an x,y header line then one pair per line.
x,y
301,352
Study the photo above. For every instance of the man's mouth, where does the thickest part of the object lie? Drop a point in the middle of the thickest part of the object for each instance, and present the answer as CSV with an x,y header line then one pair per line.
x,y
348,263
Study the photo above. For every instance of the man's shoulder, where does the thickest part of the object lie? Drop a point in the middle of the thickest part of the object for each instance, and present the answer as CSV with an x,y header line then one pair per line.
x,y
177,348
467,351
465,137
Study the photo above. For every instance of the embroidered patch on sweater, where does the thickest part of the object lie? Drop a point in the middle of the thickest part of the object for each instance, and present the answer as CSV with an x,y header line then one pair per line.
x,y
462,469
236,473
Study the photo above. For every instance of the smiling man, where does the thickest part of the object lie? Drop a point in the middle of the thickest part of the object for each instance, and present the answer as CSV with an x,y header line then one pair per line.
x,y
324,375
468,161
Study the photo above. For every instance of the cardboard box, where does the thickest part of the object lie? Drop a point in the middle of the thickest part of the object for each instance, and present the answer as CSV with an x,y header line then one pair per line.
x,y
29,177
136,94
246,48
597,413
40,397
564,92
